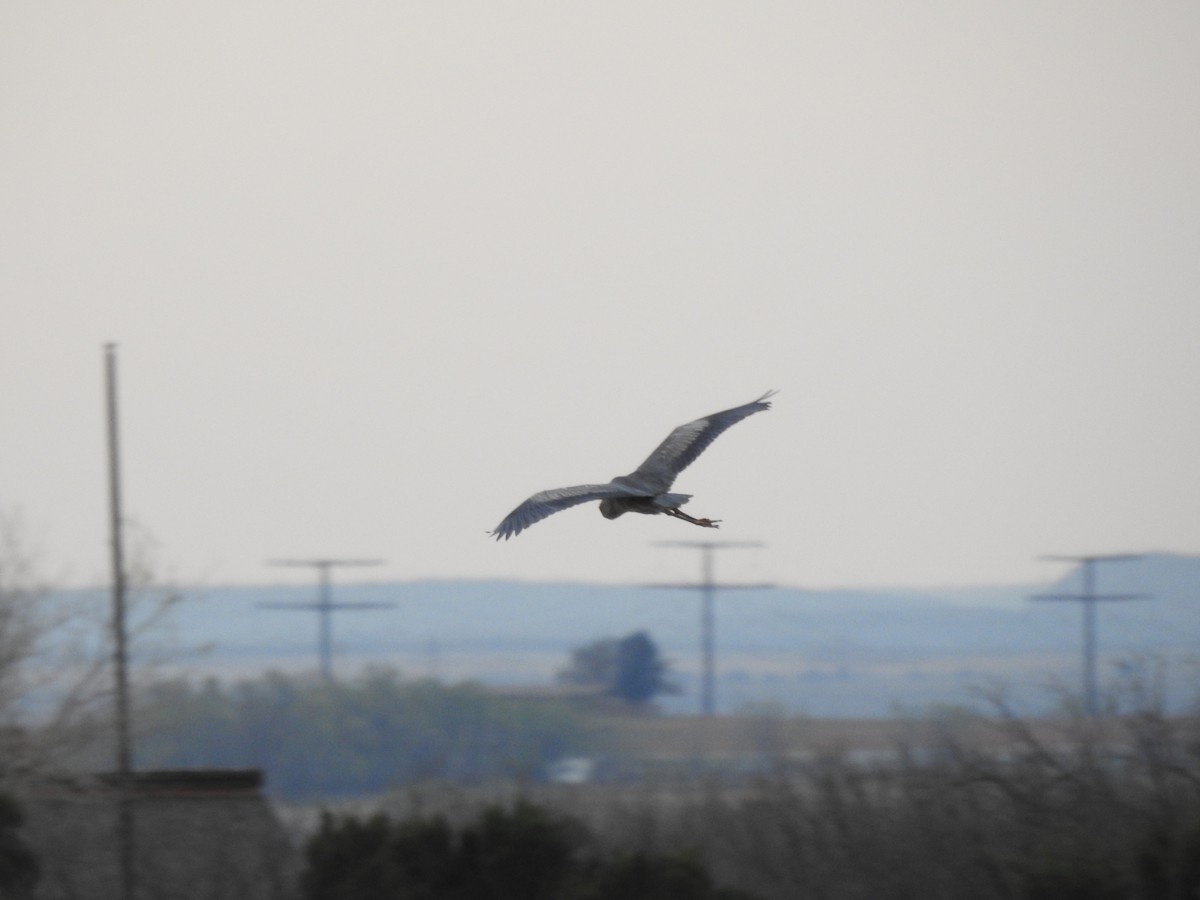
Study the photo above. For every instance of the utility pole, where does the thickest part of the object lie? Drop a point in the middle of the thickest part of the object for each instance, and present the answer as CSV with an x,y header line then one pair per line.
x,y
708,588
125,833
1089,598
324,604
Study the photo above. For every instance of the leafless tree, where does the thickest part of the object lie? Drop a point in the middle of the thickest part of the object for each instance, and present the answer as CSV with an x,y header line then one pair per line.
x,y
55,657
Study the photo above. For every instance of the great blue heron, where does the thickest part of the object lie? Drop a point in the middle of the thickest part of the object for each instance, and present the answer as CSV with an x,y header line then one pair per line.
x,y
646,489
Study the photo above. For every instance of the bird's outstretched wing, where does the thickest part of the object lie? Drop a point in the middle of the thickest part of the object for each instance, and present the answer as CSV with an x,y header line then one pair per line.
x,y
545,503
687,442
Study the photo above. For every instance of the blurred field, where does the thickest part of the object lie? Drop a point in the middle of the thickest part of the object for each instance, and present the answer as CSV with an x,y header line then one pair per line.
x,y
724,737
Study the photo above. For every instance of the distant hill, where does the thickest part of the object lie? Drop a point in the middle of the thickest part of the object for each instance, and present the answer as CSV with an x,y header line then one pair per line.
x,y
821,652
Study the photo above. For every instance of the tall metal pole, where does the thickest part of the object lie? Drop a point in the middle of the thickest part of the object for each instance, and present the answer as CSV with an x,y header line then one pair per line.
x,y
324,604
125,833
708,588
1089,598
1091,692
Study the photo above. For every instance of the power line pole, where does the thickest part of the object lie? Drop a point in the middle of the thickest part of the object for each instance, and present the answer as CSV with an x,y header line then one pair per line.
x,y
324,604
1089,598
708,588
125,834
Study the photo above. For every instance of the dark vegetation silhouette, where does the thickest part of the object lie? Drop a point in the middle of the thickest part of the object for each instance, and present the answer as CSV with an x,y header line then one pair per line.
x,y
19,868
522,851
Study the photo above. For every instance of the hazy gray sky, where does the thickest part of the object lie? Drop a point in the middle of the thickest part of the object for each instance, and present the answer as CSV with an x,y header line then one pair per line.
x,y
378,271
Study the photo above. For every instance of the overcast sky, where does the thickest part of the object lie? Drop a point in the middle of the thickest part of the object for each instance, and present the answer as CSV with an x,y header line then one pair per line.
x,y
379,271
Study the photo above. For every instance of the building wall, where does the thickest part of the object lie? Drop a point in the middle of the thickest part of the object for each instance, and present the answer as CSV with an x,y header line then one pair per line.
x,y
197,836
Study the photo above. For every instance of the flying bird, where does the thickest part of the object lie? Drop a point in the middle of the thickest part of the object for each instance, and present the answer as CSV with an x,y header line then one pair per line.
x,y
645,490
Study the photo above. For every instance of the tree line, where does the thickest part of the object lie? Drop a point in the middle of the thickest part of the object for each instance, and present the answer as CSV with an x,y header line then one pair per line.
x,y
316,737
322,738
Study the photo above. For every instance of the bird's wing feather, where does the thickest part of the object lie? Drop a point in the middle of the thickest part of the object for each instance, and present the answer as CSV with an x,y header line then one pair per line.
x,y
687,442
548,502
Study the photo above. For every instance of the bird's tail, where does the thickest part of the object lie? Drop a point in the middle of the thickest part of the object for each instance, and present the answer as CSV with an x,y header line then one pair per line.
x,y
672,501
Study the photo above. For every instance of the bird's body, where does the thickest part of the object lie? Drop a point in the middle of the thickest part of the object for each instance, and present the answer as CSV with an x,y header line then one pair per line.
x,y
647,489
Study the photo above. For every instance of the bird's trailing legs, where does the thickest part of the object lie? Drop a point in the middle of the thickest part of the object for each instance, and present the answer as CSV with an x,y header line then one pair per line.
x,y
704,523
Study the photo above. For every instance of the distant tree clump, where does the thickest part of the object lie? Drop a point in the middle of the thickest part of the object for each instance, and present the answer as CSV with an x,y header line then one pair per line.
x,y
522,851
316,738
629,668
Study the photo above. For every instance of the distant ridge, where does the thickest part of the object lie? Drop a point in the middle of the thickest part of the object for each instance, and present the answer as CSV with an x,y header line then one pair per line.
x,y
823,652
